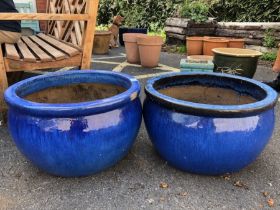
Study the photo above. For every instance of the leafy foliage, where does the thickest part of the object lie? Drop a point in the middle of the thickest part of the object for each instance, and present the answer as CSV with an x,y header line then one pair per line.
x,y
246,11
269,39
269,56
144,13
138,13
197,11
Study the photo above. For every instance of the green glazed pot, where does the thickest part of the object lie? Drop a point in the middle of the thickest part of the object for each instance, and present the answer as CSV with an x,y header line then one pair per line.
x,y
242,62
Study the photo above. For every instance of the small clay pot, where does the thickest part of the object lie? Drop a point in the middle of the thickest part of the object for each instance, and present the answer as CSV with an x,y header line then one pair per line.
x,y
131,47
149,49
195,45
101,42
236,43
276,67
212,43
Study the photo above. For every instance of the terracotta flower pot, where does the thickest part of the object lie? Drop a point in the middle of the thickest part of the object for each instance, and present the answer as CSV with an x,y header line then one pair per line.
x,y
212,43
276,67
195,45
236,43
149,49
131,47
101,42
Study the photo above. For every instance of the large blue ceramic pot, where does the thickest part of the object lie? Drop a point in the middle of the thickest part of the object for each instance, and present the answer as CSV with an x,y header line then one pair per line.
x,y
209,123
75,139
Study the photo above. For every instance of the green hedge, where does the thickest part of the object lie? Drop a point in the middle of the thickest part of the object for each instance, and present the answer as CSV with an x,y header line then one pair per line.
x,y
138,13
246,10
153,13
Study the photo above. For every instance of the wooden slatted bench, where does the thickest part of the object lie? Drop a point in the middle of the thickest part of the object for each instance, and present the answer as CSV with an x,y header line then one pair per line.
x,y
67,42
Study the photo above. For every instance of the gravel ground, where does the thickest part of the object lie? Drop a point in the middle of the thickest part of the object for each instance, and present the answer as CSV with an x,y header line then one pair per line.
x,y
142,180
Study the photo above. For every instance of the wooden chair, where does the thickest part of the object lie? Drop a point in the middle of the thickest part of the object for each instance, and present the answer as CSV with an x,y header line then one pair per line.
x,y
68,40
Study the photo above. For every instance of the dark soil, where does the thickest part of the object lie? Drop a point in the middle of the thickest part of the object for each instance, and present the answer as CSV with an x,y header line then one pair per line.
x,y
75,93
207,95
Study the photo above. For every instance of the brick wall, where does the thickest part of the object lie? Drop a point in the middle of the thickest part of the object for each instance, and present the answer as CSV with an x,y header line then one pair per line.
x,y
41,8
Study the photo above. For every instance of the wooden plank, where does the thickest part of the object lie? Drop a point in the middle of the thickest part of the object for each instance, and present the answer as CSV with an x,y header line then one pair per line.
x,y
176,30
58,55
178,22
78,32
3,82
68,43
44,57
27,55
64,47
11,52
92,7
13,65
176,36
43,16
74,39
250,25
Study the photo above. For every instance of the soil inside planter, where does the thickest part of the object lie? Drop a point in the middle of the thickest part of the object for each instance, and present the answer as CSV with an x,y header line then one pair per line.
x,y
75,93
207,95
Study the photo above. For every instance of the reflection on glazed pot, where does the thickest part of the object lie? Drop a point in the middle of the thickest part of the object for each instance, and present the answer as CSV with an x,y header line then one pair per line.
x,y
204,138
75,139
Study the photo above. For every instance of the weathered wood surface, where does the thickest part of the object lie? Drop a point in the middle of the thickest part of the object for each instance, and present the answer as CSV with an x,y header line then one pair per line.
x,y
249,25
177,30
177,22
252,34
187,23
201,31
257,42
177,36
207,24
42,16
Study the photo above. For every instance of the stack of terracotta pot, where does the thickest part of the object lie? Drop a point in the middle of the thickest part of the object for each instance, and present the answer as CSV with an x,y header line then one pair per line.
x,y
204,45
143,49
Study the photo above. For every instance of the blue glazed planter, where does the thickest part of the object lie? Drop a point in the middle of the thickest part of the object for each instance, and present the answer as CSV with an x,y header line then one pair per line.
x,y
73,140
209,139
130,30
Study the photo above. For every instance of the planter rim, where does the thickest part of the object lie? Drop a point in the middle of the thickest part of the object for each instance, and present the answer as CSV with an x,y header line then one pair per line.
x,y
132,37
195,38
100,33
150,40
237,52
226,111
33,84
214,40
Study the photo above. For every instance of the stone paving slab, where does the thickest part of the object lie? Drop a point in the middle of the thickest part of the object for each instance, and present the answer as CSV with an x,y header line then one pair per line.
x,y
135,182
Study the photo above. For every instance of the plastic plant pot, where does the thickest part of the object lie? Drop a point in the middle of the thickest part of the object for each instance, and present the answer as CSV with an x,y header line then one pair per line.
x,y
75,139
221,135
242,62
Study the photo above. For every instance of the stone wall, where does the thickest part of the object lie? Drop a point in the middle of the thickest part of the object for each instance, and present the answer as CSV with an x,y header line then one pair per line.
x,y
177,29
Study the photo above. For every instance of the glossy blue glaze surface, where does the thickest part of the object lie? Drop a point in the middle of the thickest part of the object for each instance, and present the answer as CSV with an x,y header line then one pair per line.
x,y
73,140
209,144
